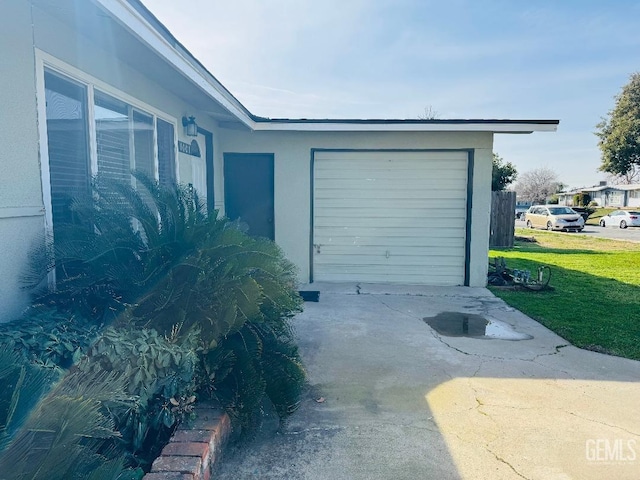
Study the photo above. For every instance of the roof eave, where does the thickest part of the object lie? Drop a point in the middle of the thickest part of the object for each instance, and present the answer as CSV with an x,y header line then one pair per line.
x,y
492,126
141,27
142,23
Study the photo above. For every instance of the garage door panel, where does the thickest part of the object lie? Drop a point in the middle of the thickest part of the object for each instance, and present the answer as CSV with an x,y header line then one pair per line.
x,y
399,194
375,262
392,173
391,222
382,250
395,217
379,159
400,184
325,234
328,204
385,212
347,241
440,278
379,269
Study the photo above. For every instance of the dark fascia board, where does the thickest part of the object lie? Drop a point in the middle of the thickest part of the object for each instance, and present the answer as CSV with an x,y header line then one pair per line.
x,y
392,121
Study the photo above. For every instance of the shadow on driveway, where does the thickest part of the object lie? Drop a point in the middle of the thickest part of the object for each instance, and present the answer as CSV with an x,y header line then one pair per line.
x,y
399,401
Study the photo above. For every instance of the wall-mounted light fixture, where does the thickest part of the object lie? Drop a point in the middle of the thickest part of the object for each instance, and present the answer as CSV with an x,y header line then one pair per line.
x,y
190,126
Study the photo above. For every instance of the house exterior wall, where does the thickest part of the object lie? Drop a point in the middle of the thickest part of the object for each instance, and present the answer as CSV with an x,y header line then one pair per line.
x,y
292,152
35,36
21,208
633,198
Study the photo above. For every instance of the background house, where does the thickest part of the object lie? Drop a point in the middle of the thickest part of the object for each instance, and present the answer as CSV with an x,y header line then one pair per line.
x,y
101,86
617,196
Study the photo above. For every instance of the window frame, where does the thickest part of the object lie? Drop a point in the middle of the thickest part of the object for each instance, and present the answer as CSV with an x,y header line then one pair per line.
x,y
47,62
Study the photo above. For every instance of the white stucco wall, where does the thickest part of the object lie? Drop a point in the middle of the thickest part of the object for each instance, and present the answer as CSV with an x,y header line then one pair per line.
x,y
21,217
292,166
25,30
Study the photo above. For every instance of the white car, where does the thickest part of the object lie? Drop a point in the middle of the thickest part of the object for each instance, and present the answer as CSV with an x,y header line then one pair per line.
x,y
621,218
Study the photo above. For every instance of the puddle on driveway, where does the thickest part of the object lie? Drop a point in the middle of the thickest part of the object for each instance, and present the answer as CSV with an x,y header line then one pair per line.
x,y
456,324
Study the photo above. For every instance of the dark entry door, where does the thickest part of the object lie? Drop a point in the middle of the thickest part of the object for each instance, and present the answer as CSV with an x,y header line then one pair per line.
x,y
248,191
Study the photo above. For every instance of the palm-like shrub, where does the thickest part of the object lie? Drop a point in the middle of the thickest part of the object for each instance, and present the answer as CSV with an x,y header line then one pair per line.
x,y
183,305
152,257
69,433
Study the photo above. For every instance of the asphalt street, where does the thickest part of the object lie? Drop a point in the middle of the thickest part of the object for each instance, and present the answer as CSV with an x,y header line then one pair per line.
x,y
631,234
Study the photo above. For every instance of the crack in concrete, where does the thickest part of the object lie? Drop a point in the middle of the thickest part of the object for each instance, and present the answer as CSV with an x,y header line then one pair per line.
x,y
438,337
500,459
551,367
555,352
396,310
603,423
480,365
495,455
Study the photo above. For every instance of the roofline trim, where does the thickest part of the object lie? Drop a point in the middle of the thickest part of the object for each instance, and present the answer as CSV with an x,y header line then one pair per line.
x,y
495,126
130,17
135,16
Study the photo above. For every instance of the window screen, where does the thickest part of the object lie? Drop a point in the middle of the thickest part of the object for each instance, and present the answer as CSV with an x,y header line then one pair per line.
x,y
66,113
112,137
143,146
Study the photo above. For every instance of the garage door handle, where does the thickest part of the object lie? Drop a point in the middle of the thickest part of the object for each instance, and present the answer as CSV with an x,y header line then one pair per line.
x,y
317,247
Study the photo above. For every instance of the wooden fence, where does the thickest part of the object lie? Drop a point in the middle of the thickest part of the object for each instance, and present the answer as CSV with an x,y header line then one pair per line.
x,y
503,208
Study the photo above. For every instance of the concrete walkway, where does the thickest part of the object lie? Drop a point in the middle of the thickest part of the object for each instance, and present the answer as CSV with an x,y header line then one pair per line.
x,y
399,401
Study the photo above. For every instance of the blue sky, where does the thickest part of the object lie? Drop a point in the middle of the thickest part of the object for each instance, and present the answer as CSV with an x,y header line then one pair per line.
x,y
546,59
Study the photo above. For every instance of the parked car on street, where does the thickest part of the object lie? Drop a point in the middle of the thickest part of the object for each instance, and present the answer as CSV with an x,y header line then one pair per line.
x,y
621,218
520,211
554,217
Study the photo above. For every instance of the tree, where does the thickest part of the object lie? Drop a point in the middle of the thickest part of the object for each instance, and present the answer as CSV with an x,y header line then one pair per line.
x,y
536,185
504,174
429,114
631,176
619,132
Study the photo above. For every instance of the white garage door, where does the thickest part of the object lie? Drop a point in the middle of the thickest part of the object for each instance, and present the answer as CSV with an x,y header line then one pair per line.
x,y
391,217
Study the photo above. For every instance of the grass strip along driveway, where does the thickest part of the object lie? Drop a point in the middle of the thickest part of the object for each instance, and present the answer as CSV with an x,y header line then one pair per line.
x,y
595,301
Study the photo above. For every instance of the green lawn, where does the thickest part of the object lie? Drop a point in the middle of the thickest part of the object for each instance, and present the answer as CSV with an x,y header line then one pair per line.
x,y
595,303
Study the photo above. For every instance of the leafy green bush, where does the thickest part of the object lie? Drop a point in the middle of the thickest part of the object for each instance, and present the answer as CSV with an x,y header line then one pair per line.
x,y
581,199
49,337
196,309
159,372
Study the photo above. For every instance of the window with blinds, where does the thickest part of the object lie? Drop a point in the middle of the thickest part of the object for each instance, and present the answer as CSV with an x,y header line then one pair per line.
x,y
126,138
68,145
112,137
143,143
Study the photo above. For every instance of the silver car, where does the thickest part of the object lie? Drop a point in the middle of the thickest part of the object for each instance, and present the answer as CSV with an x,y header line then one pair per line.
x,y
554,217
621,218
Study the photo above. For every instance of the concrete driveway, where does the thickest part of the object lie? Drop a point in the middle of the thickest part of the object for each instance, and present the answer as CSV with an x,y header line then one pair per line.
x,y
390,398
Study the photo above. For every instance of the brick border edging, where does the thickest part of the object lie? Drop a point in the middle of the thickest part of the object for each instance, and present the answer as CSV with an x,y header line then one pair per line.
x,y
194,448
